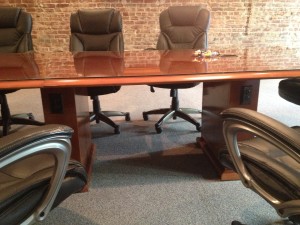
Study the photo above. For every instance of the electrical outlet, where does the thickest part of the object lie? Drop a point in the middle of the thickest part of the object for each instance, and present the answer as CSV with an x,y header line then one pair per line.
x,y
246,95
56,103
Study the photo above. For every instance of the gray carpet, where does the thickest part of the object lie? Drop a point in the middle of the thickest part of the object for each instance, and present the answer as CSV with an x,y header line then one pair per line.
x,y
137,181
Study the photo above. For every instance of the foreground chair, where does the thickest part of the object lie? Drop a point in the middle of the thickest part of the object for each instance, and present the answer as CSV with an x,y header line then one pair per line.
x,y
182,27
268,163
36,174
15,36
98,30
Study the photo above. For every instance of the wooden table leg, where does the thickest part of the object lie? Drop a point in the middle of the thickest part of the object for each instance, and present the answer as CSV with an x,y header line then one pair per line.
x,y
218,96
69,106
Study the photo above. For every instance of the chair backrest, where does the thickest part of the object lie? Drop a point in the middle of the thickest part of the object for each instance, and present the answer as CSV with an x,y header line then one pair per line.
x,y
183,27
289,89
96,30
15,30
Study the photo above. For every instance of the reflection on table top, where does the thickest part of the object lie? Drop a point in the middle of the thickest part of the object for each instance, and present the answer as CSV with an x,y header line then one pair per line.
x,y
22,70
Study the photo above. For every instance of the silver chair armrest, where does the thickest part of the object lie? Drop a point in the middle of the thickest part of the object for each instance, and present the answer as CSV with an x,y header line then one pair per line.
x,y
48,139
258,123
238,120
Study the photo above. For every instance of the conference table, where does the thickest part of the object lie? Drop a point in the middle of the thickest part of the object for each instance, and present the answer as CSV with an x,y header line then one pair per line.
x,y
230,79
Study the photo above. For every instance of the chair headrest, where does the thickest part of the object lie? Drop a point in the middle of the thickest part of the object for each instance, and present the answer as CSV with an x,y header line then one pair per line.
x,y
15,30
185,16
98,21
183,27
9,17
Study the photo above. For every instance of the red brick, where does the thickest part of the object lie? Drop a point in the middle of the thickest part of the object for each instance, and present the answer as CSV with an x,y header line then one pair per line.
x,y
233,22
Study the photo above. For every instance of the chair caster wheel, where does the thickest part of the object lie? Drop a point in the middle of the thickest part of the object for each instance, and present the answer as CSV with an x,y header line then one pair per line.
x,y
158,129
117,130
127,117
198,127
145,116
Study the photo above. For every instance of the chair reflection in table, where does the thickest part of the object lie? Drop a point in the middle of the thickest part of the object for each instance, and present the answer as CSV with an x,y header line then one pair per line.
x,y
16,67
98,64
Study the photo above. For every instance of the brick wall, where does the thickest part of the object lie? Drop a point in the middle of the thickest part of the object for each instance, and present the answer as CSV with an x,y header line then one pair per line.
x,y
233,22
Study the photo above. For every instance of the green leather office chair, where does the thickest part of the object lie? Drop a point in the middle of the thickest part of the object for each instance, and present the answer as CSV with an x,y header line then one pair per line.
x,y
36,173
181,27
15,37
99,30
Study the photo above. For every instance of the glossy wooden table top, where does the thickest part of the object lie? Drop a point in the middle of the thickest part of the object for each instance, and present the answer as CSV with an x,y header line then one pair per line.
x,y
67,69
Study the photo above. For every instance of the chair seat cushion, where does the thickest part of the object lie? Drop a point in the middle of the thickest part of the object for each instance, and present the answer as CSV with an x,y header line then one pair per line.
x,y
4,92
176,86
289,89
271,167
103,90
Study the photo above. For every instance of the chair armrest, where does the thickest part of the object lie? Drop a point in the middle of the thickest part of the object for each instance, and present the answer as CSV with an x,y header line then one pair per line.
x,y
12,142
258,123
49,139
286,139
275,134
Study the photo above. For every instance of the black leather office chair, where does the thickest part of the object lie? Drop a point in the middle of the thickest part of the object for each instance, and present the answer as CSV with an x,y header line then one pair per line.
x,y
36,174
98,30
269,162
15,36
289,89
182,27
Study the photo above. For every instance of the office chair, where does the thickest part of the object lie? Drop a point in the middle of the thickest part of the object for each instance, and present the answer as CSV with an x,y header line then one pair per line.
x,y
98,30
182,27
268,161
36,173
15,37
289,89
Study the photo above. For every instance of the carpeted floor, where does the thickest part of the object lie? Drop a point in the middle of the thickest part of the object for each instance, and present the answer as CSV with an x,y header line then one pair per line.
x,y
137,181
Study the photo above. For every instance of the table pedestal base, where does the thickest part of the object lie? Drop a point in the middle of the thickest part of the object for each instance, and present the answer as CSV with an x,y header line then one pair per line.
x,y
218,96
224,174
69,106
